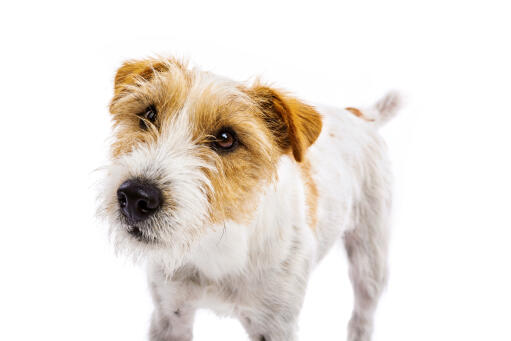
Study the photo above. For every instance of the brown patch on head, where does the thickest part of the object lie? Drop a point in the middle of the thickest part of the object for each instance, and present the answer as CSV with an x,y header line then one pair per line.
x,y
267,124
135,71
294,124
241,174
358,113
161,83
311,193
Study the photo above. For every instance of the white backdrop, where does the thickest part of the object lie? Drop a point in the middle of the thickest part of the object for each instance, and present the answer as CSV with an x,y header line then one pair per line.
x,y
450,254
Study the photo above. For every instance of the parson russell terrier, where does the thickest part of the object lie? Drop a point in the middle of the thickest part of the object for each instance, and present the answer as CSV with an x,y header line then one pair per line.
x,y
232,193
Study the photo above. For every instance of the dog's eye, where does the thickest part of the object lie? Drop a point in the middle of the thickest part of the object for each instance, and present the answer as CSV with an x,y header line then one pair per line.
x,y
149,114
225,140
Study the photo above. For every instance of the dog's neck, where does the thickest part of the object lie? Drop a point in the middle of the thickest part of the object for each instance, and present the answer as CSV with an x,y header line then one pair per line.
x,y
232,248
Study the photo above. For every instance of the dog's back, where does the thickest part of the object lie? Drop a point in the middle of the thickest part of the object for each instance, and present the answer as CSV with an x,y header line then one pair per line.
x,y
349,166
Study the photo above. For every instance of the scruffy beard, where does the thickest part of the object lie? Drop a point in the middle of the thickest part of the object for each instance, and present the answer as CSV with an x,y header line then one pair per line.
x,y
168,235
164,246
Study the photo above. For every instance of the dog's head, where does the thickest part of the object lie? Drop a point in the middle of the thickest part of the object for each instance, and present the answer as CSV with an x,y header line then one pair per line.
x,y
192,150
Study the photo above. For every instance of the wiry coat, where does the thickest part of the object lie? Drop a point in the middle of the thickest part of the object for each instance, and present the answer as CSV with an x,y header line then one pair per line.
x,y
240,233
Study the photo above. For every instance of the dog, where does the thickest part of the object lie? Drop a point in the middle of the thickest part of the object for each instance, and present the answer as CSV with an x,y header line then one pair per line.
x,y
231,193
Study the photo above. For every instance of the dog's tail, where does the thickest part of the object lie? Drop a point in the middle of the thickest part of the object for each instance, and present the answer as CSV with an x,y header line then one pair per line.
x,y
386,108
382,111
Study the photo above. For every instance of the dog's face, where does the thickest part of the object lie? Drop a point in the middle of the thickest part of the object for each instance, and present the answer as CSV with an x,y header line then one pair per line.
x,y
192,150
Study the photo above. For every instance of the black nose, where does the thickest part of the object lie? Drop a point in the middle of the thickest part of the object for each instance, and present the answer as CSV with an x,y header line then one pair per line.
x,y
138,200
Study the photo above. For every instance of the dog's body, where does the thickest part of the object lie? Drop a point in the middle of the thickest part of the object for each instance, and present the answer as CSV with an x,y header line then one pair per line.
x,y
254,261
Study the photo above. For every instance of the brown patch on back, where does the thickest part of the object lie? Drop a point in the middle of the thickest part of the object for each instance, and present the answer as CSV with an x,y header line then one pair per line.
x,y
311,193
358,113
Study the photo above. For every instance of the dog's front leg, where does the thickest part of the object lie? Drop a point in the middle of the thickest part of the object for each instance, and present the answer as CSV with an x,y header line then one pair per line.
x,y
277,301
174,311
270,329
174,326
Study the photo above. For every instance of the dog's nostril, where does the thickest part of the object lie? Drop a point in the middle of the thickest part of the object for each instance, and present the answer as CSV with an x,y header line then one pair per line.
x,y
143,206
138,200
123,200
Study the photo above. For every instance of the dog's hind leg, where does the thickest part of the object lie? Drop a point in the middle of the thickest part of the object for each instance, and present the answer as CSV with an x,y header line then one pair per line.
x,y
366,247
367,254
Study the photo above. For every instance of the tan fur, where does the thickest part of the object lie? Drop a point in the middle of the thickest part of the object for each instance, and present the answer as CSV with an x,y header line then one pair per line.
x,y
144,86
252,163
295,124
133,71
311,193
358,113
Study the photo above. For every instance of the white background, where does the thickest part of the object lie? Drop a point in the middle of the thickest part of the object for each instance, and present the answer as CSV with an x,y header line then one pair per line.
x,y
451,247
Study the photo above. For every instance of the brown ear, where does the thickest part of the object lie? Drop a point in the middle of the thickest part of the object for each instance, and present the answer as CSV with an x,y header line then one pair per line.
x,y
295,124
134,70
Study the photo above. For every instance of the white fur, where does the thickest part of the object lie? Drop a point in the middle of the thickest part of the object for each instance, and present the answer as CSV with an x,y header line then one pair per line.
x,y
174,167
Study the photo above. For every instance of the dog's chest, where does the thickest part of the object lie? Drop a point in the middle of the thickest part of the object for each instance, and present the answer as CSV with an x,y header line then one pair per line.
x,y
232,248
223,250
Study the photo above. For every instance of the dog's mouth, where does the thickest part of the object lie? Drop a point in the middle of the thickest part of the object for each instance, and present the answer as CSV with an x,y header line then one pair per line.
x,y
135,232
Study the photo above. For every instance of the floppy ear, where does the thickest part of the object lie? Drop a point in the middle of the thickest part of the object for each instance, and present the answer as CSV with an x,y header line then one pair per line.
x,y
294,124
133,70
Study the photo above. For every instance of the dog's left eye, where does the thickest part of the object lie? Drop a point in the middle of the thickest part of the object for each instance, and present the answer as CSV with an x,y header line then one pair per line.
x,y
225,140
149,114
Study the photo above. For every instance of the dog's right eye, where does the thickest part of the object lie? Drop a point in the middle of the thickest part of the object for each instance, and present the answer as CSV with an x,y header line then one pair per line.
x,y
149,114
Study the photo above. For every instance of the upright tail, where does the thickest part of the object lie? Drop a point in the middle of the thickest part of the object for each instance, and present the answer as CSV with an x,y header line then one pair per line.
x,y
382,111
386,108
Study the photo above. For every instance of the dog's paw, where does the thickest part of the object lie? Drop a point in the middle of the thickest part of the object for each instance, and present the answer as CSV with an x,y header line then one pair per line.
x,y
359,329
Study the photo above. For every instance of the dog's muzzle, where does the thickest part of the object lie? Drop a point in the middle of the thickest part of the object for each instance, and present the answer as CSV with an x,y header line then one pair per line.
x,y
138,200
